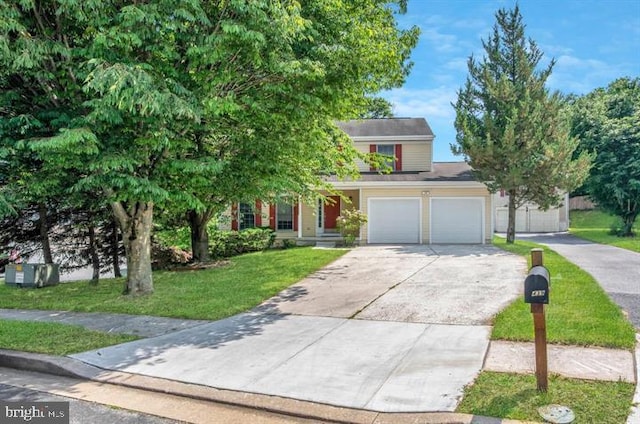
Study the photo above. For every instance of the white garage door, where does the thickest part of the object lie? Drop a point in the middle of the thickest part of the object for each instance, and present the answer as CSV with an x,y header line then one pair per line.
x,y
457,220
529,220
394,220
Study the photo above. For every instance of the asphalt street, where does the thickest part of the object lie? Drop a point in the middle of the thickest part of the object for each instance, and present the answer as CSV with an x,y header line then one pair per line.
x,y
617,270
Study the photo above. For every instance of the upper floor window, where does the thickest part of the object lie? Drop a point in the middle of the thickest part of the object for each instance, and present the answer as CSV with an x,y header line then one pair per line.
x,y
388,150
394,151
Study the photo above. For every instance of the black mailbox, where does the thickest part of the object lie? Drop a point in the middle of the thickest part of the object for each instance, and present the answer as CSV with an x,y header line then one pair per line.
x,y
536,285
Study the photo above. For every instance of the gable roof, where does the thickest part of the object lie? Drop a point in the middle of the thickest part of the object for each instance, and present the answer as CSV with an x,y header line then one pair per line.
x,y
387,127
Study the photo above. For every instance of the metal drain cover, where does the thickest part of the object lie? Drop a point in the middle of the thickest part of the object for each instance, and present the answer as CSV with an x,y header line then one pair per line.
x,y
557,414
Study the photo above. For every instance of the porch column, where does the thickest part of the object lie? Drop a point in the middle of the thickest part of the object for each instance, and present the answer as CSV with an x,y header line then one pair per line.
x,y
299,218
360,207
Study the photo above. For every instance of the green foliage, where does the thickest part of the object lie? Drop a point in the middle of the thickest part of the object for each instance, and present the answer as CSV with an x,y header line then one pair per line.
x,y
236,286
515,397
349,223
511,130
224,244
188,105
595,225
579,311
607,122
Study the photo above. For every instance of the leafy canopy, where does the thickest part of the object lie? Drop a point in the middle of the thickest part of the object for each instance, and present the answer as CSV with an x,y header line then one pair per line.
x,y
607,122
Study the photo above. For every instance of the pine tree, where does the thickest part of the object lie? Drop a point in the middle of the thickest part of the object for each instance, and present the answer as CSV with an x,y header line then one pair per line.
x,y
510,129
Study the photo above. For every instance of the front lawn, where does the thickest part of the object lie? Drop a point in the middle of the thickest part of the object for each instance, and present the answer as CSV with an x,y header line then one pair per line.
x,y
595,225
209,294
579,311
516,397
54,338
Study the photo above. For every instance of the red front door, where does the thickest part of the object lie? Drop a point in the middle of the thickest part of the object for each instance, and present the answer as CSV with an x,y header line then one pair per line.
x,y
331,213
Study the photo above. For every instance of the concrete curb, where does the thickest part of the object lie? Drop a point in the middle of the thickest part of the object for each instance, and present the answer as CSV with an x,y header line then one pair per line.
x,y
68,367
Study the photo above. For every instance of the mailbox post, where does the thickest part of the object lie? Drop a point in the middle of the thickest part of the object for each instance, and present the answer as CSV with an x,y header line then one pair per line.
x,y
536,292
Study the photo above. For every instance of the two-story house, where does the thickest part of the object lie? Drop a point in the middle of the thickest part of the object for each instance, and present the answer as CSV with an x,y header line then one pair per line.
x,y
420,201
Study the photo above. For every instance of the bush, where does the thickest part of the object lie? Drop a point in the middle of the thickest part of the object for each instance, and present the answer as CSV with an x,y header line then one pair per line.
x,y
349,224
223,244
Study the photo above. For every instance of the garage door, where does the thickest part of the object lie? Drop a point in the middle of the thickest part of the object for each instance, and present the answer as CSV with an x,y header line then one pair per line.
x,y
457,220
529,220
394,220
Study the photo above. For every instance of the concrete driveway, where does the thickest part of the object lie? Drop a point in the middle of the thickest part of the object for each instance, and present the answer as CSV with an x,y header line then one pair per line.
x,y
617,270
438,284
400,354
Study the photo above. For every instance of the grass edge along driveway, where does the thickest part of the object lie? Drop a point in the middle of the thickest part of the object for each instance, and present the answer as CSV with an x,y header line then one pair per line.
x,y
215,293
579,313
595,225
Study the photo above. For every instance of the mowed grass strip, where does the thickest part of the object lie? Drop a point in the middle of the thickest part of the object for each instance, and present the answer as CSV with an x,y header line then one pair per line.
x,y
54,338
579,311
595,225
211,294
516,397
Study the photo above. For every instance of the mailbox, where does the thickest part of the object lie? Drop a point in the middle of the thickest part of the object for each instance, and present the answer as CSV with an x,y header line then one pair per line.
x,y
536,285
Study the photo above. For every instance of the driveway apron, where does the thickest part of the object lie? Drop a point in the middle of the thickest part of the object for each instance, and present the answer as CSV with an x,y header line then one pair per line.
x,y
301,344
617,270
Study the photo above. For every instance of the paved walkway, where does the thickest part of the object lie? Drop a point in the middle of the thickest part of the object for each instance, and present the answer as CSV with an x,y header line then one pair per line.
x,y
617,270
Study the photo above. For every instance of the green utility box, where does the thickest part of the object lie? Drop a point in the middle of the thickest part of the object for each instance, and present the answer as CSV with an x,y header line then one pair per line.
x,y
32,275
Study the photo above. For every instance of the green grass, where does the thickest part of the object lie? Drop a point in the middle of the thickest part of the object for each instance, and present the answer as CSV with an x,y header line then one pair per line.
x,y
205,294
579,311
54,338
515,397
594,225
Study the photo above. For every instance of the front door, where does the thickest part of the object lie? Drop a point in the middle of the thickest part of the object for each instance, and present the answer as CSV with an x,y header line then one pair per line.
x,y
331,213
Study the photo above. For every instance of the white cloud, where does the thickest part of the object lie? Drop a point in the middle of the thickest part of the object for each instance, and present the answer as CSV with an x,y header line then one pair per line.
x,y
431,104
440,41
575,75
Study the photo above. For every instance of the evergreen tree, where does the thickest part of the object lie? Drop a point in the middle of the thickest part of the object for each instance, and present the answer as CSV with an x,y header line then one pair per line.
x,y
510,129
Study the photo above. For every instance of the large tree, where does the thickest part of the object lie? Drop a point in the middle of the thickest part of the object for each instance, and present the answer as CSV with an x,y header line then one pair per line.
x,y
156,99
512,131
607,122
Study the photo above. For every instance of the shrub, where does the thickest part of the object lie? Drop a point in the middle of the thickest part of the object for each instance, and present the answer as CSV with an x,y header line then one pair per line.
x,y
349,224
231,243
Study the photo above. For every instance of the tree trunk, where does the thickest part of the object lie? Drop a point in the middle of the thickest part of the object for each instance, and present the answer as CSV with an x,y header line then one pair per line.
x,y
93,253
199,234
115,251
627,225
511,225
44,234
135,224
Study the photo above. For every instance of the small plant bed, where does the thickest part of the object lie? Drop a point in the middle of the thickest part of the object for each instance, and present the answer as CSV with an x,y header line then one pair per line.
x,y
596,225
516,397
214,293
54,338
579,311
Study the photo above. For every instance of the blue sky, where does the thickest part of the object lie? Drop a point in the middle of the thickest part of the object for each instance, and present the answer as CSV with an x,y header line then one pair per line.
x,y
593,42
